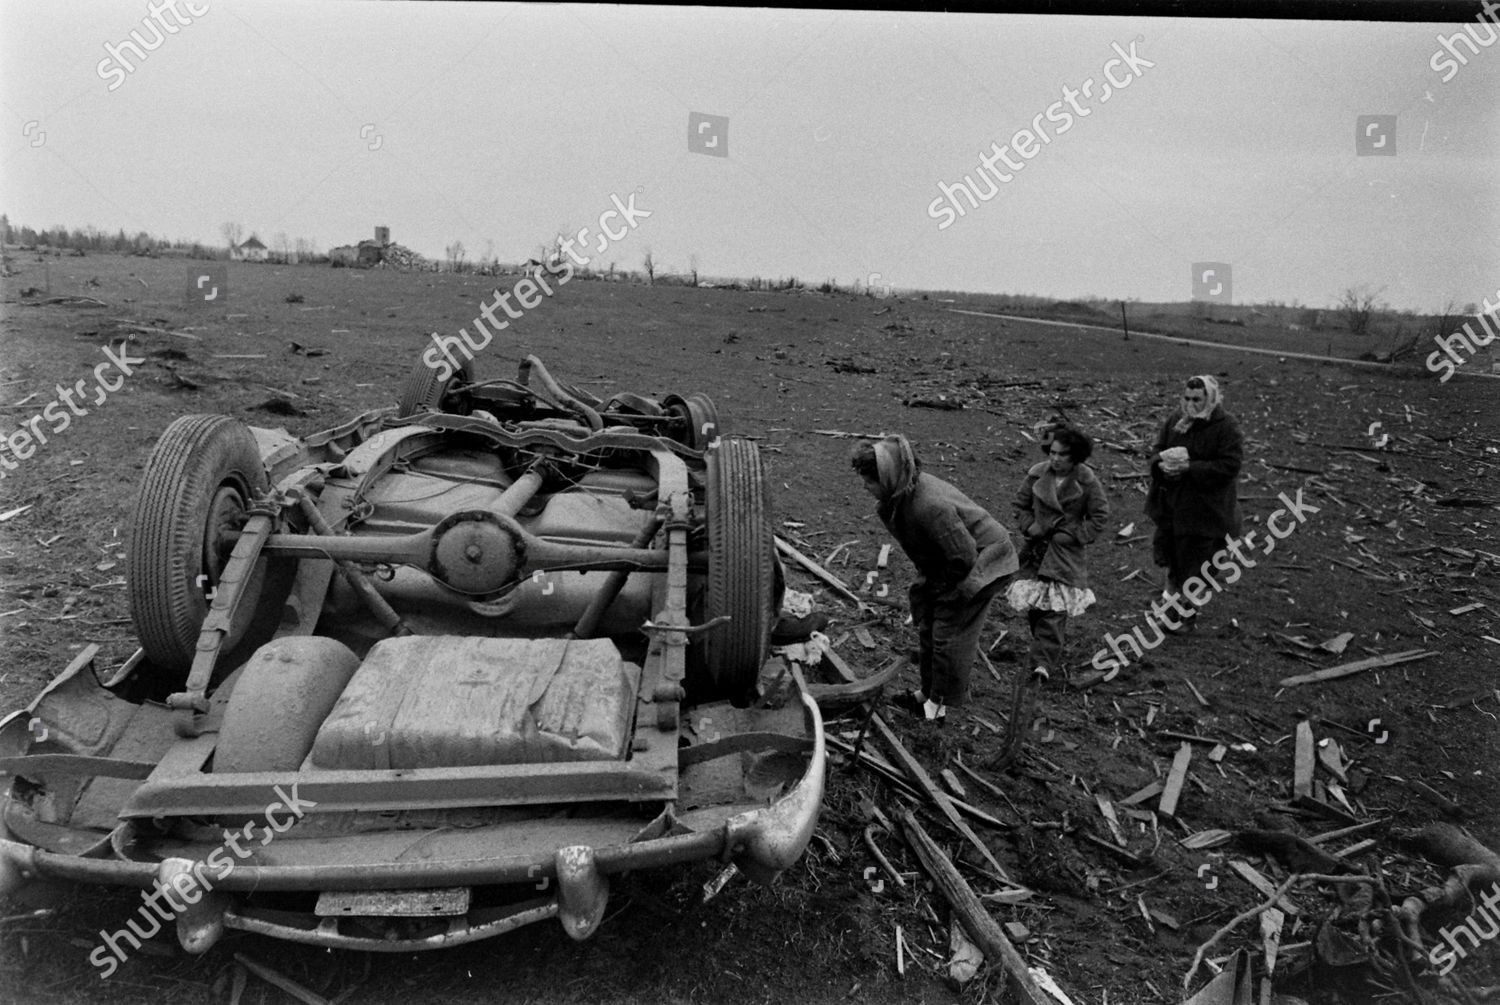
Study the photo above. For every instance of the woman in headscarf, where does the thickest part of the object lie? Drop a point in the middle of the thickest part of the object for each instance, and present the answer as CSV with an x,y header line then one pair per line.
x,y
1061,508
1194,493
963,557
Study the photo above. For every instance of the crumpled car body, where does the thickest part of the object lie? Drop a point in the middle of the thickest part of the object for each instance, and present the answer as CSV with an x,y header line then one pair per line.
x,y
428,676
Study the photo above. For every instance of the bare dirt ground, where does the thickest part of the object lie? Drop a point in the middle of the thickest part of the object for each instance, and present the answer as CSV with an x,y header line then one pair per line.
x,y
1398,542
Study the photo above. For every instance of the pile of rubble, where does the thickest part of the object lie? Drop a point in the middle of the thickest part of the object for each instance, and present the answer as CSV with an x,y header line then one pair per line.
x,y
396,256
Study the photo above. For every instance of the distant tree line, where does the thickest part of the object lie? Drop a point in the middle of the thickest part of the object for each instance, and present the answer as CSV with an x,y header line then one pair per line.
x,y
86,239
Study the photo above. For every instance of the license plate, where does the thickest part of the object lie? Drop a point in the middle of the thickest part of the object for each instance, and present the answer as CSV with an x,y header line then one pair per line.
x,y
444,902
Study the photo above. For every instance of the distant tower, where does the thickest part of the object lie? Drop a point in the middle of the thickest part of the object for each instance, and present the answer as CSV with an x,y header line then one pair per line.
x,y
382,235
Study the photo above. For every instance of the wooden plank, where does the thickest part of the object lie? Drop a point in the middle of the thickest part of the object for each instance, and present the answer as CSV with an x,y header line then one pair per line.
x,y
1207,741
1302,766
1107,809
893,775
1355,848
939,798
817,570
1175,778
976,921
1346,831
1206,839
1119,852
1358,666
1250,875
923,780
1332,757
1141,795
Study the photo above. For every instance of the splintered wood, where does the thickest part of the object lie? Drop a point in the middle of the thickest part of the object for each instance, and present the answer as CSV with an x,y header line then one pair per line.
x,y
1358,666
1302,766
982,928
1175,779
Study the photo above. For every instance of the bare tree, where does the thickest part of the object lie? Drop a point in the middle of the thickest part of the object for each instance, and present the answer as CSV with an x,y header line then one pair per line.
x,y
1357,304
303,249
1448,318
693,270
1444,324
283,245
232,233
455,253
649,264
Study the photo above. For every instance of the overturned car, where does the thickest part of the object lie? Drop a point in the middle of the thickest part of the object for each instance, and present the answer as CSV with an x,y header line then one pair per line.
x,y
427,676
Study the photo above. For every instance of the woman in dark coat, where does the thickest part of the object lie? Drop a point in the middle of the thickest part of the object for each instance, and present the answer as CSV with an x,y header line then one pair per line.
x,y
1061,507
963,557
1194,493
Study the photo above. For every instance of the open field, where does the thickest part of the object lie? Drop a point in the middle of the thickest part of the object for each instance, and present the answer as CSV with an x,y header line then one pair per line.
x,y
1398,541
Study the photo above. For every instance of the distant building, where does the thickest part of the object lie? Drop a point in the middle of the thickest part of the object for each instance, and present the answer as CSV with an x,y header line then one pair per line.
x,y
368,255
364,255
251,251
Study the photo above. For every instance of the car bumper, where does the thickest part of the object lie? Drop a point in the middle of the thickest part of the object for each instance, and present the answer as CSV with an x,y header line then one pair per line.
x,y
762,842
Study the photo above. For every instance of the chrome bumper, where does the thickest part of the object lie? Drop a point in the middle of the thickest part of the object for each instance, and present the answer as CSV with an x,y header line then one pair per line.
x,y
762,842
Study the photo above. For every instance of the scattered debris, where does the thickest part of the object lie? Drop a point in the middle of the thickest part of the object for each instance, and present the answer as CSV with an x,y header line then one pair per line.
x,y
1172,791
971,913
1346,669
280,981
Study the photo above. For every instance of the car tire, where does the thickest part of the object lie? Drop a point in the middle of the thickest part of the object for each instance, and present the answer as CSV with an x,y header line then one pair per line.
x,y
200,480
741,580
424,392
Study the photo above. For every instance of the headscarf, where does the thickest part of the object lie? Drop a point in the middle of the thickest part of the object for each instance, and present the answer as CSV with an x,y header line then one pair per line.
x,y
1211,399
896,464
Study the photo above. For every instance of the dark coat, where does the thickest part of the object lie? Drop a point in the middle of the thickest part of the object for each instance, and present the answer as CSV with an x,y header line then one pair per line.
x,y
1076,507
952,540
1204,500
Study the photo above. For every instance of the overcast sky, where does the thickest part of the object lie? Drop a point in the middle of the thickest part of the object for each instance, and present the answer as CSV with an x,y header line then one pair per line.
x,y
497,124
